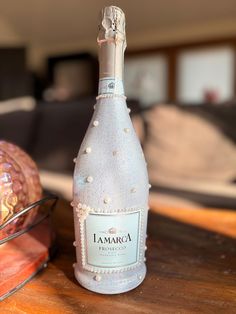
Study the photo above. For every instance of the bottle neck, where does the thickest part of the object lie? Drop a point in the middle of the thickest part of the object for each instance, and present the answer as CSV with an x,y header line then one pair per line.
x,y
111,67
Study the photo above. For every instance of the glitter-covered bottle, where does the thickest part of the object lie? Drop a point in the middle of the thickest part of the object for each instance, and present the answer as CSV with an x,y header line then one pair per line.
x,y
110,180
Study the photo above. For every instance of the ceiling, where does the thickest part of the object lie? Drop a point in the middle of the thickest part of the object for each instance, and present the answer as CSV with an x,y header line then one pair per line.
x,y
55,21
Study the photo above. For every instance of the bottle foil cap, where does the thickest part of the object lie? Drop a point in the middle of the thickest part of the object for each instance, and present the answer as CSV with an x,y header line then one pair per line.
x,y
112,25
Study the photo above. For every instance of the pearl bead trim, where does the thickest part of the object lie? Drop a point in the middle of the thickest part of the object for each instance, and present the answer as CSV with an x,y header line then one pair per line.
x,y
89,179
88,150
107,200
95,123
82,211
110,96
97,278
83,207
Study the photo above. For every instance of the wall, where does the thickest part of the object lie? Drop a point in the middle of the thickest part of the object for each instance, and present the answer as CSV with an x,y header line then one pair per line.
x,y
8,36
37,53
166,36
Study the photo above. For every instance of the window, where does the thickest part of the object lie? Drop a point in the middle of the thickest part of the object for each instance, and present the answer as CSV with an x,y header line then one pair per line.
x,y
205,75
146,79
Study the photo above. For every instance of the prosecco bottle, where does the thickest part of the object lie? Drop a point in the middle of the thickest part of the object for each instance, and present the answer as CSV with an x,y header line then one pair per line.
x,y
110,190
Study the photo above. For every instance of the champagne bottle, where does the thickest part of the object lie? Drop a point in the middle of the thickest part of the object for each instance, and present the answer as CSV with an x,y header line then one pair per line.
x,y
110,179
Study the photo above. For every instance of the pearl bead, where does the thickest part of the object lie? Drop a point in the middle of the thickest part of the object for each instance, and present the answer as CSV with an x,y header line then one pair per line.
x,y
126,130
97,278
95,123
88,150
149,186
74,265
89,179
72,204
74,243
94,107
129,110
133,190
107,200
74,160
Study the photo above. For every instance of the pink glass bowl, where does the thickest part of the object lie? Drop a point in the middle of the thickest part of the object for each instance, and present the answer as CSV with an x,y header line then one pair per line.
x,y
19,187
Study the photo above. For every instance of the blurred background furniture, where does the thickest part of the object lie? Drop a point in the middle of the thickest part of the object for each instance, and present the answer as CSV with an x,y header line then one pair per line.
x,y
15,78
190,150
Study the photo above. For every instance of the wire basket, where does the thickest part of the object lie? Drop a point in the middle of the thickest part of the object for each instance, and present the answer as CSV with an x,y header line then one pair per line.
x,y
44,209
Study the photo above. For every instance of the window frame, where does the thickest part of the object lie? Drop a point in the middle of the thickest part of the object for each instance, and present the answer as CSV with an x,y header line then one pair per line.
x,y
171,53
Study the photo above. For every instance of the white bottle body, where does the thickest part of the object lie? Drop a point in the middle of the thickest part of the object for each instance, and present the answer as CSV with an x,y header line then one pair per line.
x,y
110,202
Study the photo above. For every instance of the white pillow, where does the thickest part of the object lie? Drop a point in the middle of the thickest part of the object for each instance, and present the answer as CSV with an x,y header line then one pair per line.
x,y
23,103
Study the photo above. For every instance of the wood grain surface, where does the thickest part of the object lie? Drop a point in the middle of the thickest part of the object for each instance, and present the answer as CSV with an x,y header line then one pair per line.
x,y
190,270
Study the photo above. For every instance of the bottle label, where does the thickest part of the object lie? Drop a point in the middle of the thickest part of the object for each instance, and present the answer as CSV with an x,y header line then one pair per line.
x,y
110,85
112,241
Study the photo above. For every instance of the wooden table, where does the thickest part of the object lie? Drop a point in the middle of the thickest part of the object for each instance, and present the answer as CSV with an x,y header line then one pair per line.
x,y
190,270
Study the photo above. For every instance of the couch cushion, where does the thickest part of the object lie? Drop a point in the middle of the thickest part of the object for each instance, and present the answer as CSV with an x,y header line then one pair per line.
x,y
60,130
17,119
185,145
17,127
